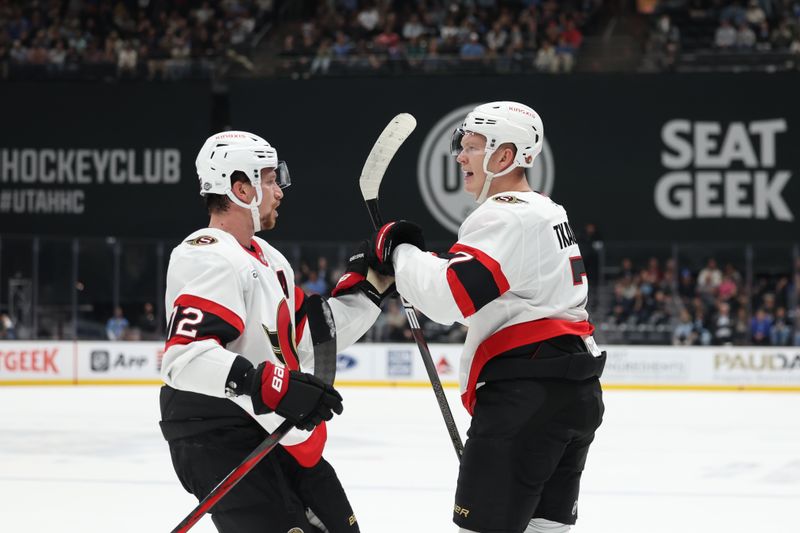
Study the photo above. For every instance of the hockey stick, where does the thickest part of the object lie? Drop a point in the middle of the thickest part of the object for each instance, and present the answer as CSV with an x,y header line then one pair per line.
x,y
375,166
324,369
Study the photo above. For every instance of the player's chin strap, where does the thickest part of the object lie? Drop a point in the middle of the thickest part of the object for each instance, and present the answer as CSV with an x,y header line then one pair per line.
x,y
490,176
252,206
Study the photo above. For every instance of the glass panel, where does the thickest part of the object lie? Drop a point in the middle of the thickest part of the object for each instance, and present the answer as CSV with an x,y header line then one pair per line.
x,y
55,288
139,291
16,288
95,287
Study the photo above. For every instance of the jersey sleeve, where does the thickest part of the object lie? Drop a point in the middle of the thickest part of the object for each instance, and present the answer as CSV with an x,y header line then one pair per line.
x,y
353,314
205,296
475,271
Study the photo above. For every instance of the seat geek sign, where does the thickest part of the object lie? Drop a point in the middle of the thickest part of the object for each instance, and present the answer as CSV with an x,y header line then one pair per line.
x,y
722,170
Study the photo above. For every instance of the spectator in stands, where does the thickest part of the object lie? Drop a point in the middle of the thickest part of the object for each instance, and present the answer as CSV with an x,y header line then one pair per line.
x,y
745,37
315,284
723,325
781,333
127,61
368,19
741,328
148,323
709,279
734,12
727,289
754,14
496,38
725,36
782,36
117,325
565,53
684,333
700,327
413,28
571,35
760,328
322,61
472,49
342,47
7,330
546,59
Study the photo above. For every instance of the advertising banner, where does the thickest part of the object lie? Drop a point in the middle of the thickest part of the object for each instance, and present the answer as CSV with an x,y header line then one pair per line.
x,y
37,361
396,363
119,361
706,157
643,367
713,367
102,159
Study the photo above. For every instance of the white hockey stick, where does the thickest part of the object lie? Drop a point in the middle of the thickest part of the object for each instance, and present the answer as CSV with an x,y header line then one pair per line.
x,y
375,166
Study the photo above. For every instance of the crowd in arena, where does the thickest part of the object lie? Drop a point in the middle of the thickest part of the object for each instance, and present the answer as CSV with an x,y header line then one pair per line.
x,y
712,306
152,39
749,31
369,36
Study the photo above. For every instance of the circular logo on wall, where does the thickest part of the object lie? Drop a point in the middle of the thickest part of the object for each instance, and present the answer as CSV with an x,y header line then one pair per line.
x,y
439,175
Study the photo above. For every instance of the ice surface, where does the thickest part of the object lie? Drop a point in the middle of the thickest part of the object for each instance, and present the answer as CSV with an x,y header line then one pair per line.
x,y
91,460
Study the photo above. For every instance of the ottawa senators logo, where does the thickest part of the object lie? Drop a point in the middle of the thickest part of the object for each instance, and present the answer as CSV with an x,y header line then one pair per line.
x,y
508,199
202,240
282,339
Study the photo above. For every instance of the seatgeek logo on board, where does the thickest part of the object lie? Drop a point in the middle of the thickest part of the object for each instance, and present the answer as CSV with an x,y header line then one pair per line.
x,y
722,170
440,179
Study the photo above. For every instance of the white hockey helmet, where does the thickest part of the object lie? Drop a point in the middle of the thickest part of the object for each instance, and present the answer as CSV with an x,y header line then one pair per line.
x,y
229,151
500,123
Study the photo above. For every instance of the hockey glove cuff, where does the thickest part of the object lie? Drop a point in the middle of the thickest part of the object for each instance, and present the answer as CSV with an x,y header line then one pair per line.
x,y
301,398
358,276
387,238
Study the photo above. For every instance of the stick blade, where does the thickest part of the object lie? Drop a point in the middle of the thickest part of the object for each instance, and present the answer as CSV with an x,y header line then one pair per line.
x,y
393,135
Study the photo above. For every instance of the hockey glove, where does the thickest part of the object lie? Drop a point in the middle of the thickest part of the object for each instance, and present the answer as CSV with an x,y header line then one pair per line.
x,y
301,398
387,238
358,276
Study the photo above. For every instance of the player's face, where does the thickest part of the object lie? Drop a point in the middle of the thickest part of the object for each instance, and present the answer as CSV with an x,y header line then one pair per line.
x,y
473,150
272,196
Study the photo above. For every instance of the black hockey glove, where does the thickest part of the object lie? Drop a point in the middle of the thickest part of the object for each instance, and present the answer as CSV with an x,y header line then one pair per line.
x,y
387,238
359,277
301,398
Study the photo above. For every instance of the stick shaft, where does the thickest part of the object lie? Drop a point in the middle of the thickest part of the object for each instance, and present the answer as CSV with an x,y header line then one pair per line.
x,y
427,359
233,478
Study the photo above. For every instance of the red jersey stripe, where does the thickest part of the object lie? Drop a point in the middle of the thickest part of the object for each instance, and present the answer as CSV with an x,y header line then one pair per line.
x,y
189,300
513,337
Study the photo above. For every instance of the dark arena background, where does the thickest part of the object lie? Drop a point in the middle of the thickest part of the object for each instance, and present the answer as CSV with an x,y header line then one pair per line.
x,y
672,130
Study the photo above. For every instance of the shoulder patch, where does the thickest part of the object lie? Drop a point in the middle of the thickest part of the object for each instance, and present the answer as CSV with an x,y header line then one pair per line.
x,y
509,199
202,240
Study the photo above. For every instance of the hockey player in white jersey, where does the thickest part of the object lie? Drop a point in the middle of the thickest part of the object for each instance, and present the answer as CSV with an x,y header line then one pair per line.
x,y
529,369
239,352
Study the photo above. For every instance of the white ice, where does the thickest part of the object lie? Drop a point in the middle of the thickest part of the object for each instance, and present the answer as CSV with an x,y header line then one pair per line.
x,y
91,460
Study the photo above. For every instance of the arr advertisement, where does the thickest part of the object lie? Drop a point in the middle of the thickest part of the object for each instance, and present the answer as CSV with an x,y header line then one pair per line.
x,y
118,361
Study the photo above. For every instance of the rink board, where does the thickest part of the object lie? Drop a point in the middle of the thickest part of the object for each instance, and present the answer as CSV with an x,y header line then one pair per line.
x,y
628,367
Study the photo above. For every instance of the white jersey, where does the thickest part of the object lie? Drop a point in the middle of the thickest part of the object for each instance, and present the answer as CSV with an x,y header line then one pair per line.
x,y
225,300
515,277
